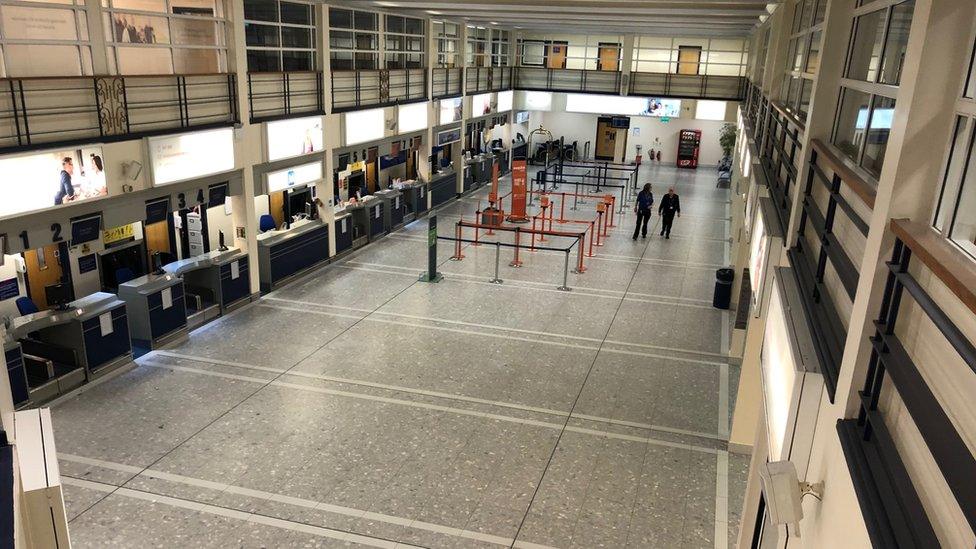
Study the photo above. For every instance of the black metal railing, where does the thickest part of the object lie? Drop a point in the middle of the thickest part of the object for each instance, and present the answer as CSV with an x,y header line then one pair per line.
x,y
447,82
46,111
275,95
697,86
358,89
567,80
888,494
488,79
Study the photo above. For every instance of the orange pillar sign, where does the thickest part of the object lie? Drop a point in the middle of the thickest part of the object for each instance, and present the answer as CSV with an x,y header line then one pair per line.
x,y
493,195
519,188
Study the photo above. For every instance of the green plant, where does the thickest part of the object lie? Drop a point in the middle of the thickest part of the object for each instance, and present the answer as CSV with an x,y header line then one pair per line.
x,y
726,138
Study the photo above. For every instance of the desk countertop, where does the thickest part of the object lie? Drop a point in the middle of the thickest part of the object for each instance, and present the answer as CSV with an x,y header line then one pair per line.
x,y
215,257
298,228
148,284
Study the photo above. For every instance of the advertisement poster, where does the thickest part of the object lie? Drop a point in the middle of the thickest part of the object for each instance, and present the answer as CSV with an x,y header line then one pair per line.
x,y
480,105
519,189
39,181
294,137
450,110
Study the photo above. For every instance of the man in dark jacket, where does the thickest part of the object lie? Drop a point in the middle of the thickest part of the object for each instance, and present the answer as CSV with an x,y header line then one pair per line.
x,y
66,191
645,200
670,205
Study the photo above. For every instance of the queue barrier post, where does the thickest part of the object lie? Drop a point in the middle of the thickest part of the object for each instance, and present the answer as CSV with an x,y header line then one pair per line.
x,y
477,220
498,252
565,287
534,218
580,269
516,262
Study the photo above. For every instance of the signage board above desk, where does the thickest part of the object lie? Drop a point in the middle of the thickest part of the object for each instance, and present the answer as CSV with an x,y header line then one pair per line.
x,y
294,137
191,155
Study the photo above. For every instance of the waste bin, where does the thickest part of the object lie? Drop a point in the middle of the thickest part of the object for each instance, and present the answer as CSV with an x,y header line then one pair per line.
x,y
723,288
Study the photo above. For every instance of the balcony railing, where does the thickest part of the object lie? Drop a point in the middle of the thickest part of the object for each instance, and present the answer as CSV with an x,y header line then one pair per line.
x,y
567,80
359,89
909,447
487,79
447,82
273,95
71,110
729,88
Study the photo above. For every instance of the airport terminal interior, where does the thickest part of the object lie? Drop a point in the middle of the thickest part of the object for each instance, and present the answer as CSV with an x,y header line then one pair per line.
x,y
526,274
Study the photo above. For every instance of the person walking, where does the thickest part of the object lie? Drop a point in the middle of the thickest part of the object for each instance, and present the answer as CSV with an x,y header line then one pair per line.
x,y
670,206
645,200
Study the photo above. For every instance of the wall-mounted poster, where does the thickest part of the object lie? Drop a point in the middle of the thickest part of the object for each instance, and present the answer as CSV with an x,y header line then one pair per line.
x,y
41,180
450,110
181,157
505,100
480,105
294,137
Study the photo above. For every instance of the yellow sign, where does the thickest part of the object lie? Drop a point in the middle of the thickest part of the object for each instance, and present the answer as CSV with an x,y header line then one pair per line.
x,y
116,234
357,166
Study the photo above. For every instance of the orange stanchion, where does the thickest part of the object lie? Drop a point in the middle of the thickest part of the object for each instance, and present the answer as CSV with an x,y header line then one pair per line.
x,y
458,256
599,223
580,269
516,262
608,199
562,208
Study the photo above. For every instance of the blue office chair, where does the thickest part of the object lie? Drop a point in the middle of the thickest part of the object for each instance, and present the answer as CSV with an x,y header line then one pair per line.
x,y
266,223
123,275
26,306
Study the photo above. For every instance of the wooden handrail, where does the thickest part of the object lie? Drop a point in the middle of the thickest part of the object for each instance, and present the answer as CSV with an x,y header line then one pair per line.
x,y
956,270
848,174
789,115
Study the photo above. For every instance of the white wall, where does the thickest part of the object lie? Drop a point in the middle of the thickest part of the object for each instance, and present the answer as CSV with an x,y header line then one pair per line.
x,y
218,221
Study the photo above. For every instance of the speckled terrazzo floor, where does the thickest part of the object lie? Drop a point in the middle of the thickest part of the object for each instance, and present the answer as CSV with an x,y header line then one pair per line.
x,y
358,406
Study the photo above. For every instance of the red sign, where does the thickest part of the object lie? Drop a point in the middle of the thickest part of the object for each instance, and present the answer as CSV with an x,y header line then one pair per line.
x,y
519,188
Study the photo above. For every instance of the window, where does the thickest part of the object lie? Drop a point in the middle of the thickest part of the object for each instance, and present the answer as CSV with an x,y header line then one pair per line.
x,y
354,39
876,56
577,52
714,57
448,43
59,47
403,42
165,36
477,50
501,44
804,60
279,36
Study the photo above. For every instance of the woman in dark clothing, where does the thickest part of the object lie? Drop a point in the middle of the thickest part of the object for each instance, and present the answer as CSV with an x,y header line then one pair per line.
x,y
645,200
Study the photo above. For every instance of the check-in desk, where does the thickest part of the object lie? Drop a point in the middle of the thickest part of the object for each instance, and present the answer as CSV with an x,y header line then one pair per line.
x,y
156,309
343,231
91,334
392,208
414,200
282,254
16,373
442,189
216,283
368,220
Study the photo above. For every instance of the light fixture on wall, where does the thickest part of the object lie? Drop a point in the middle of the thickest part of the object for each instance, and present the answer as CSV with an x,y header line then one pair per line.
x,y
132,169
783,491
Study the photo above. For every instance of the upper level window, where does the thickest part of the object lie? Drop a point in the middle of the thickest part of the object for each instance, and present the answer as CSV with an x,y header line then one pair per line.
x,y
875,56
403,42
280,36
803,61
448,36
571,52
354,39
500,47
165,36
955,216
476,52
45,38
692,56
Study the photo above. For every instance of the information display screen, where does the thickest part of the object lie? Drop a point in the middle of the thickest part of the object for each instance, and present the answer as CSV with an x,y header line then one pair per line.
x,y
43,180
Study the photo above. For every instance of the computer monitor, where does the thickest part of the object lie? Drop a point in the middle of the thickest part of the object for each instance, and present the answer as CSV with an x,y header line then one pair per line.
x,y
298,201
357,182
58,296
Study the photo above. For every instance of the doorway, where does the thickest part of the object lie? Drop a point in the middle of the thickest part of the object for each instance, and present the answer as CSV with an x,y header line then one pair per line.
x,y
689,59
372,169
45,267
608,57
611,138
556,55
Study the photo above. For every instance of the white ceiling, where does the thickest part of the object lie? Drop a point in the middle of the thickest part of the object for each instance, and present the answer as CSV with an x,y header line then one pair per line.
x,y
657,17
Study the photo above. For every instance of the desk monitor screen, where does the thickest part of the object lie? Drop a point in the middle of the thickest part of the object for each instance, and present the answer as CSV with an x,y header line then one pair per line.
x,y
156,210
218,195
297,201
86,229
58,295
357,182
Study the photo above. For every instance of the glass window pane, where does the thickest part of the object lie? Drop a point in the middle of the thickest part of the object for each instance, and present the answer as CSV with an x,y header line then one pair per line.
x,y
340,40
296,60
799,44
394,24
340,19
866,47
208,8
296,14
876,140
366,21
186,61
342,61
820,12
805,91
29,23
296,37
263,60
139,5
195,32
261,35
366,41
261,10
963,231
807,12
852,120
970,91
958,151
897,42
813,58
139,29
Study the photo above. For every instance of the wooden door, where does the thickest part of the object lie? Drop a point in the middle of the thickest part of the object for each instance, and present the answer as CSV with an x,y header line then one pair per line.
x,y
606,140
372,171
157,239
276,207
609,57
689,59
43,269
556,55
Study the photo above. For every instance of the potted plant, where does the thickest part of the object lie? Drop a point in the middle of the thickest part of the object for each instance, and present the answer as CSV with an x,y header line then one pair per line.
x,y
726,138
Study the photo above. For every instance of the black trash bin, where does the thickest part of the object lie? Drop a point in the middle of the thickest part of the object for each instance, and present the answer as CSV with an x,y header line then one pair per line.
x,y
723,288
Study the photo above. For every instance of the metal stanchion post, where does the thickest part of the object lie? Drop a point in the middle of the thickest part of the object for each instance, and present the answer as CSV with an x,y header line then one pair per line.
x,y
498,252
565,287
